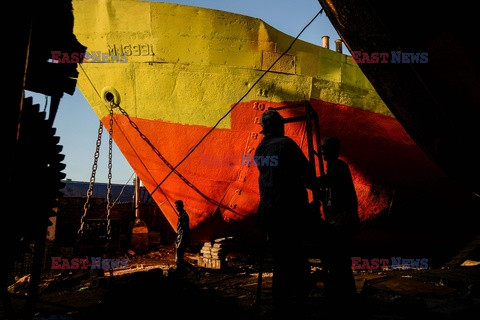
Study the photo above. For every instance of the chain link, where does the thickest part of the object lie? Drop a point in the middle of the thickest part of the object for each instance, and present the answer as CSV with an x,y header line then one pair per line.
x,y
86,206
109,185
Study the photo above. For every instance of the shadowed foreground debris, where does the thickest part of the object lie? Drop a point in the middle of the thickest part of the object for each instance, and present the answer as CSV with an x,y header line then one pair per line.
x,y
151,287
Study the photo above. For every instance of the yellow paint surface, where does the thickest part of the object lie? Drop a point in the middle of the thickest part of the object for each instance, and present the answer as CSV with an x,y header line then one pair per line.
x,y
189,65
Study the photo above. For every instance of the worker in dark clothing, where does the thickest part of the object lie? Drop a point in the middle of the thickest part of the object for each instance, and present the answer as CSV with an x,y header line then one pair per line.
x,y
183,235
282,213
182,241
340,207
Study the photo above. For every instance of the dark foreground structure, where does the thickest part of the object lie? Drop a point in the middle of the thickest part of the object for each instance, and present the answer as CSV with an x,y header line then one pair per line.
x,y
149,286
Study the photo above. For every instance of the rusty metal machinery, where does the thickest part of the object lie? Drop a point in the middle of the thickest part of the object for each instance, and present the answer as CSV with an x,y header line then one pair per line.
x,y
34,162
37,171
35,190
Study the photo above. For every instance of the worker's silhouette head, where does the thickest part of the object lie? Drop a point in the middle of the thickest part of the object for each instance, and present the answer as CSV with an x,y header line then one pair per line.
x,y
179,205
272,123
330,148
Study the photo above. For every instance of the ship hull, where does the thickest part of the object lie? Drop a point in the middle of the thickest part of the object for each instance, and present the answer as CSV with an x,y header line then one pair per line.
x,y
385,162
187,67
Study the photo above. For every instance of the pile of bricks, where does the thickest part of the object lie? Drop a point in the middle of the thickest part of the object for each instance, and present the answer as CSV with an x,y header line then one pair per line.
x,y
212,254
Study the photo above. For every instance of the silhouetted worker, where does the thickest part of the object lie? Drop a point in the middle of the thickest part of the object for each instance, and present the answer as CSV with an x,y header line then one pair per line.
x,y
340,207
183,235
282,213
182,241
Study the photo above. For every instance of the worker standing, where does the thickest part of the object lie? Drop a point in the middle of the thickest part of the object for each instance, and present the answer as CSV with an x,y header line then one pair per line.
x,y
183,235
283,213
341,214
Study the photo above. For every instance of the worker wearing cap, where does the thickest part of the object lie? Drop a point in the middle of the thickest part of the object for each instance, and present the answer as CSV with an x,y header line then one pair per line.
x,y
282,212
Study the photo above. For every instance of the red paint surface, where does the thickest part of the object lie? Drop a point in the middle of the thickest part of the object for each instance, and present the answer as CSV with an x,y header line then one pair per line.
x,y
382,157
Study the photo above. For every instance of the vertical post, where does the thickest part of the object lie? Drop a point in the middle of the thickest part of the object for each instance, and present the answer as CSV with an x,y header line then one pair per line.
x,y
310,121
318,195
317,139
36,271
140,229
309,129
137,197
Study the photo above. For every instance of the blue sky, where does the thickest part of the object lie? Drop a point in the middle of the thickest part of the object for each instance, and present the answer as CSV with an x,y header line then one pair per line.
x,y
77,124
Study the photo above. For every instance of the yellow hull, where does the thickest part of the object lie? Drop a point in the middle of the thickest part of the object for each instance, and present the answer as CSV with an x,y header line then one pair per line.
x,y
186,67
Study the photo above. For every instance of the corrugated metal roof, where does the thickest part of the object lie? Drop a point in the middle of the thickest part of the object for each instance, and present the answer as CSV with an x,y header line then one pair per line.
x,y
124,193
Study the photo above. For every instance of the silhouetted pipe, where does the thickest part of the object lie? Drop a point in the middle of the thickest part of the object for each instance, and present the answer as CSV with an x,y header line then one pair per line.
x,y
326,42
338,45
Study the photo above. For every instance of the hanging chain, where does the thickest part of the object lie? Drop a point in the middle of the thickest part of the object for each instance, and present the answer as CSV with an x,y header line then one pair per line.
x,y
86,206
109,185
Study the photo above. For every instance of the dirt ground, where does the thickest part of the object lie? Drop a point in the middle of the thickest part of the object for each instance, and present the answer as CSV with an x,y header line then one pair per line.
x,y
150,288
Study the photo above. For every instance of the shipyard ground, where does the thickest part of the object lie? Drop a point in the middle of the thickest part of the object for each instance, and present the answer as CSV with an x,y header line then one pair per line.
x,y
150,288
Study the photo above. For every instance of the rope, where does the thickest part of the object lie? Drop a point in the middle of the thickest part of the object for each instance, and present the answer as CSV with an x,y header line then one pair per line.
x,y
123,188
164,160
238,102
169,165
